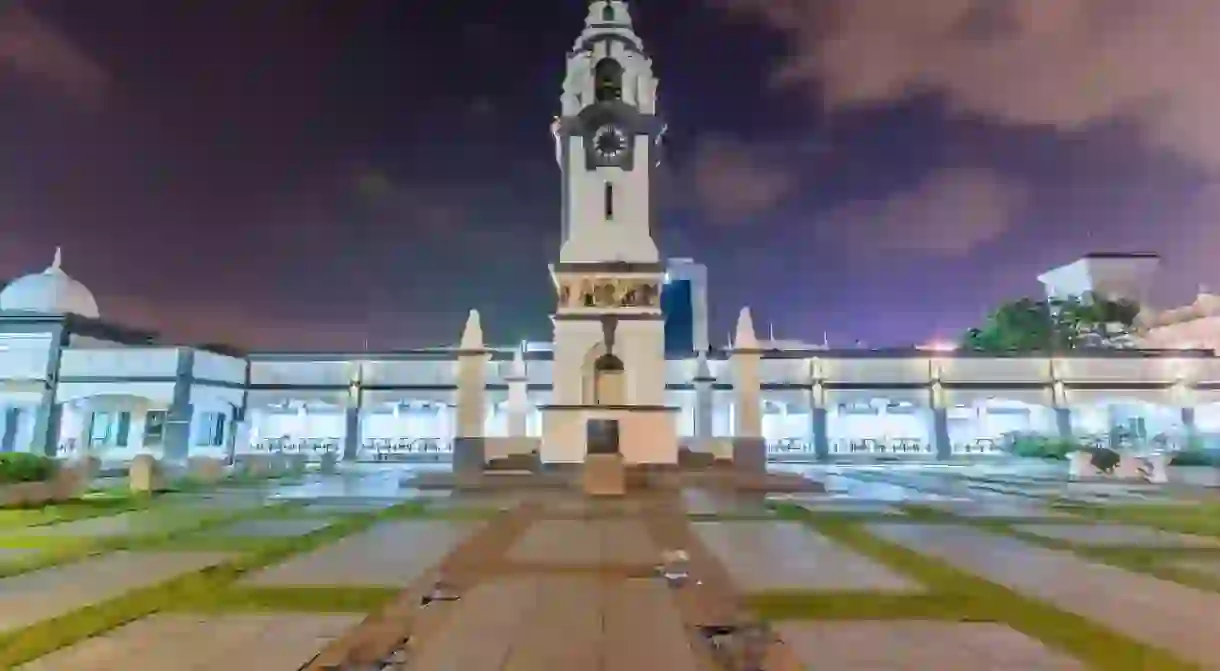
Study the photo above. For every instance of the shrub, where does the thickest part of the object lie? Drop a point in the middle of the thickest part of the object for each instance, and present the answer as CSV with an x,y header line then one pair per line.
x,y
1195,457
24,467
1041,447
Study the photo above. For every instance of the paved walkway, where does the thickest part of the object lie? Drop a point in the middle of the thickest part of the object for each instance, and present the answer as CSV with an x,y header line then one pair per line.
x,y
561,582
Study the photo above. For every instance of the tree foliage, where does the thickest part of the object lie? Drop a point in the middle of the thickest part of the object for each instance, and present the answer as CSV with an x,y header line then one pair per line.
x,y
1026,325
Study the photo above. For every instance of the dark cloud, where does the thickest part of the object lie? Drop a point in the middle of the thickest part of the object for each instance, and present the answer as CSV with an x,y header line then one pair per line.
x,y
1066,64
950,213
36,50
733,182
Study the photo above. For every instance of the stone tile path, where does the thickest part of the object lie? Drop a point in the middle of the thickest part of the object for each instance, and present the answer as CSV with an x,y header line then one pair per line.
x,y
272,528
133,523
30,597
1208,567
527,624
348,506
704,502
11,555
585,542
260,642
765,556
1000,510
391,553
942,646
1152,611
1115,535
835,504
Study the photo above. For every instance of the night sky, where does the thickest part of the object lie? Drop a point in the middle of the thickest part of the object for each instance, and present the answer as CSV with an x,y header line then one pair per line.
x,y
314,174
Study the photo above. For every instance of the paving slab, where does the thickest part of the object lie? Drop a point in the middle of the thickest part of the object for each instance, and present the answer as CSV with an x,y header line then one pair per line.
x,y
1156,612
30,597
272,528
765,556
131,523
586,543
252,642
1208,566
1000,510
348,506
835,504
389,554
1118,535
566,622
11,555
897,644
703,502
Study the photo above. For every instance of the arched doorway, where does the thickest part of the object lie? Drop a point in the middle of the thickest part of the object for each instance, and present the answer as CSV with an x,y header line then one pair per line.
x,y
608,381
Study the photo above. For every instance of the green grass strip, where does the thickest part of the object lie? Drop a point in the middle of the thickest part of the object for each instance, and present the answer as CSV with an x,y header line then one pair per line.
x,y
1202,519
982,600
799,605
71,511
299,600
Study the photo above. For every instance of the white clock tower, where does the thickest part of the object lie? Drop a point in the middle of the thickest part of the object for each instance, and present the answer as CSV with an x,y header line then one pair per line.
x,y
609,342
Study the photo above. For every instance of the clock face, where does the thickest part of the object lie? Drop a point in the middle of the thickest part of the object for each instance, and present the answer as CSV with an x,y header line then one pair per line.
x,y
609,143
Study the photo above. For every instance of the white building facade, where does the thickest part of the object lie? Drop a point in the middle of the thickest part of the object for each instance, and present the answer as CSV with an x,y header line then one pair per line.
x,y
70,381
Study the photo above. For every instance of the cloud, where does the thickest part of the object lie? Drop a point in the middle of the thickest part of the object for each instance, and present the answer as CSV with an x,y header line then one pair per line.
x,y
36,50
949,214
1062,63
733,182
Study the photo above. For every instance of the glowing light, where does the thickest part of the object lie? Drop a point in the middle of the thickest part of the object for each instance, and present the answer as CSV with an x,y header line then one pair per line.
x,y
667,278
939,347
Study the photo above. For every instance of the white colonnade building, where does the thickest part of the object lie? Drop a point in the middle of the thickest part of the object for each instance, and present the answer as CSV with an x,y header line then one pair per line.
x,y
72,381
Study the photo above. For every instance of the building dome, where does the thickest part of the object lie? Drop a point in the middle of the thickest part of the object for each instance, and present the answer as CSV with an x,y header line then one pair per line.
x,y
50,292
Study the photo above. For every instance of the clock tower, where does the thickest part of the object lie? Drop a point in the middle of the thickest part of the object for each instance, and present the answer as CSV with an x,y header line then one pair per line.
x,y
609,341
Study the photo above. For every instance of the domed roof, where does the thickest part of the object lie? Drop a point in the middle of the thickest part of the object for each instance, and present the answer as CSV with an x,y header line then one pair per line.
x,y
50,292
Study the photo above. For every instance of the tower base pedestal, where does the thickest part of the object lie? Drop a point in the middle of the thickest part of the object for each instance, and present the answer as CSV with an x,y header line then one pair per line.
x,y
646,434
604,475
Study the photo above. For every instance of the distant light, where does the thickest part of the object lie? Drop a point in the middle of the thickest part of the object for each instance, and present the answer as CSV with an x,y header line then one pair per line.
x,y
667,278
938,347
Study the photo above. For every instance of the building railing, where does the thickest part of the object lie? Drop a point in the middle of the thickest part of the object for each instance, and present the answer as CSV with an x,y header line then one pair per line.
x,y
405,449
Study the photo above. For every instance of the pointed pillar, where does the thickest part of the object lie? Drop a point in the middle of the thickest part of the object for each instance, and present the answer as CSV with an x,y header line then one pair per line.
x,y
749,447
518,396
469,453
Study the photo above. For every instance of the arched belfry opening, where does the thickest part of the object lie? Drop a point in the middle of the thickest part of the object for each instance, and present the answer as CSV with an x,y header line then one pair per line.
x,y
608,13
608,80
604,373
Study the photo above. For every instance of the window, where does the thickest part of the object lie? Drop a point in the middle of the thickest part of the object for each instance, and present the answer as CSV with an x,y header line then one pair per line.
x,y
608,12
154,428
609,201
211,430
109,429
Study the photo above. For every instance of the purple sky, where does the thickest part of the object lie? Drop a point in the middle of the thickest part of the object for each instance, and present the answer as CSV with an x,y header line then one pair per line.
x,y
315,174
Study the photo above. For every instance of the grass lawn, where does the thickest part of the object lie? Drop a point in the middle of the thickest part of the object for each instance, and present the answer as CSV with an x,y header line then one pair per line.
x,y
1199,518
958,596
